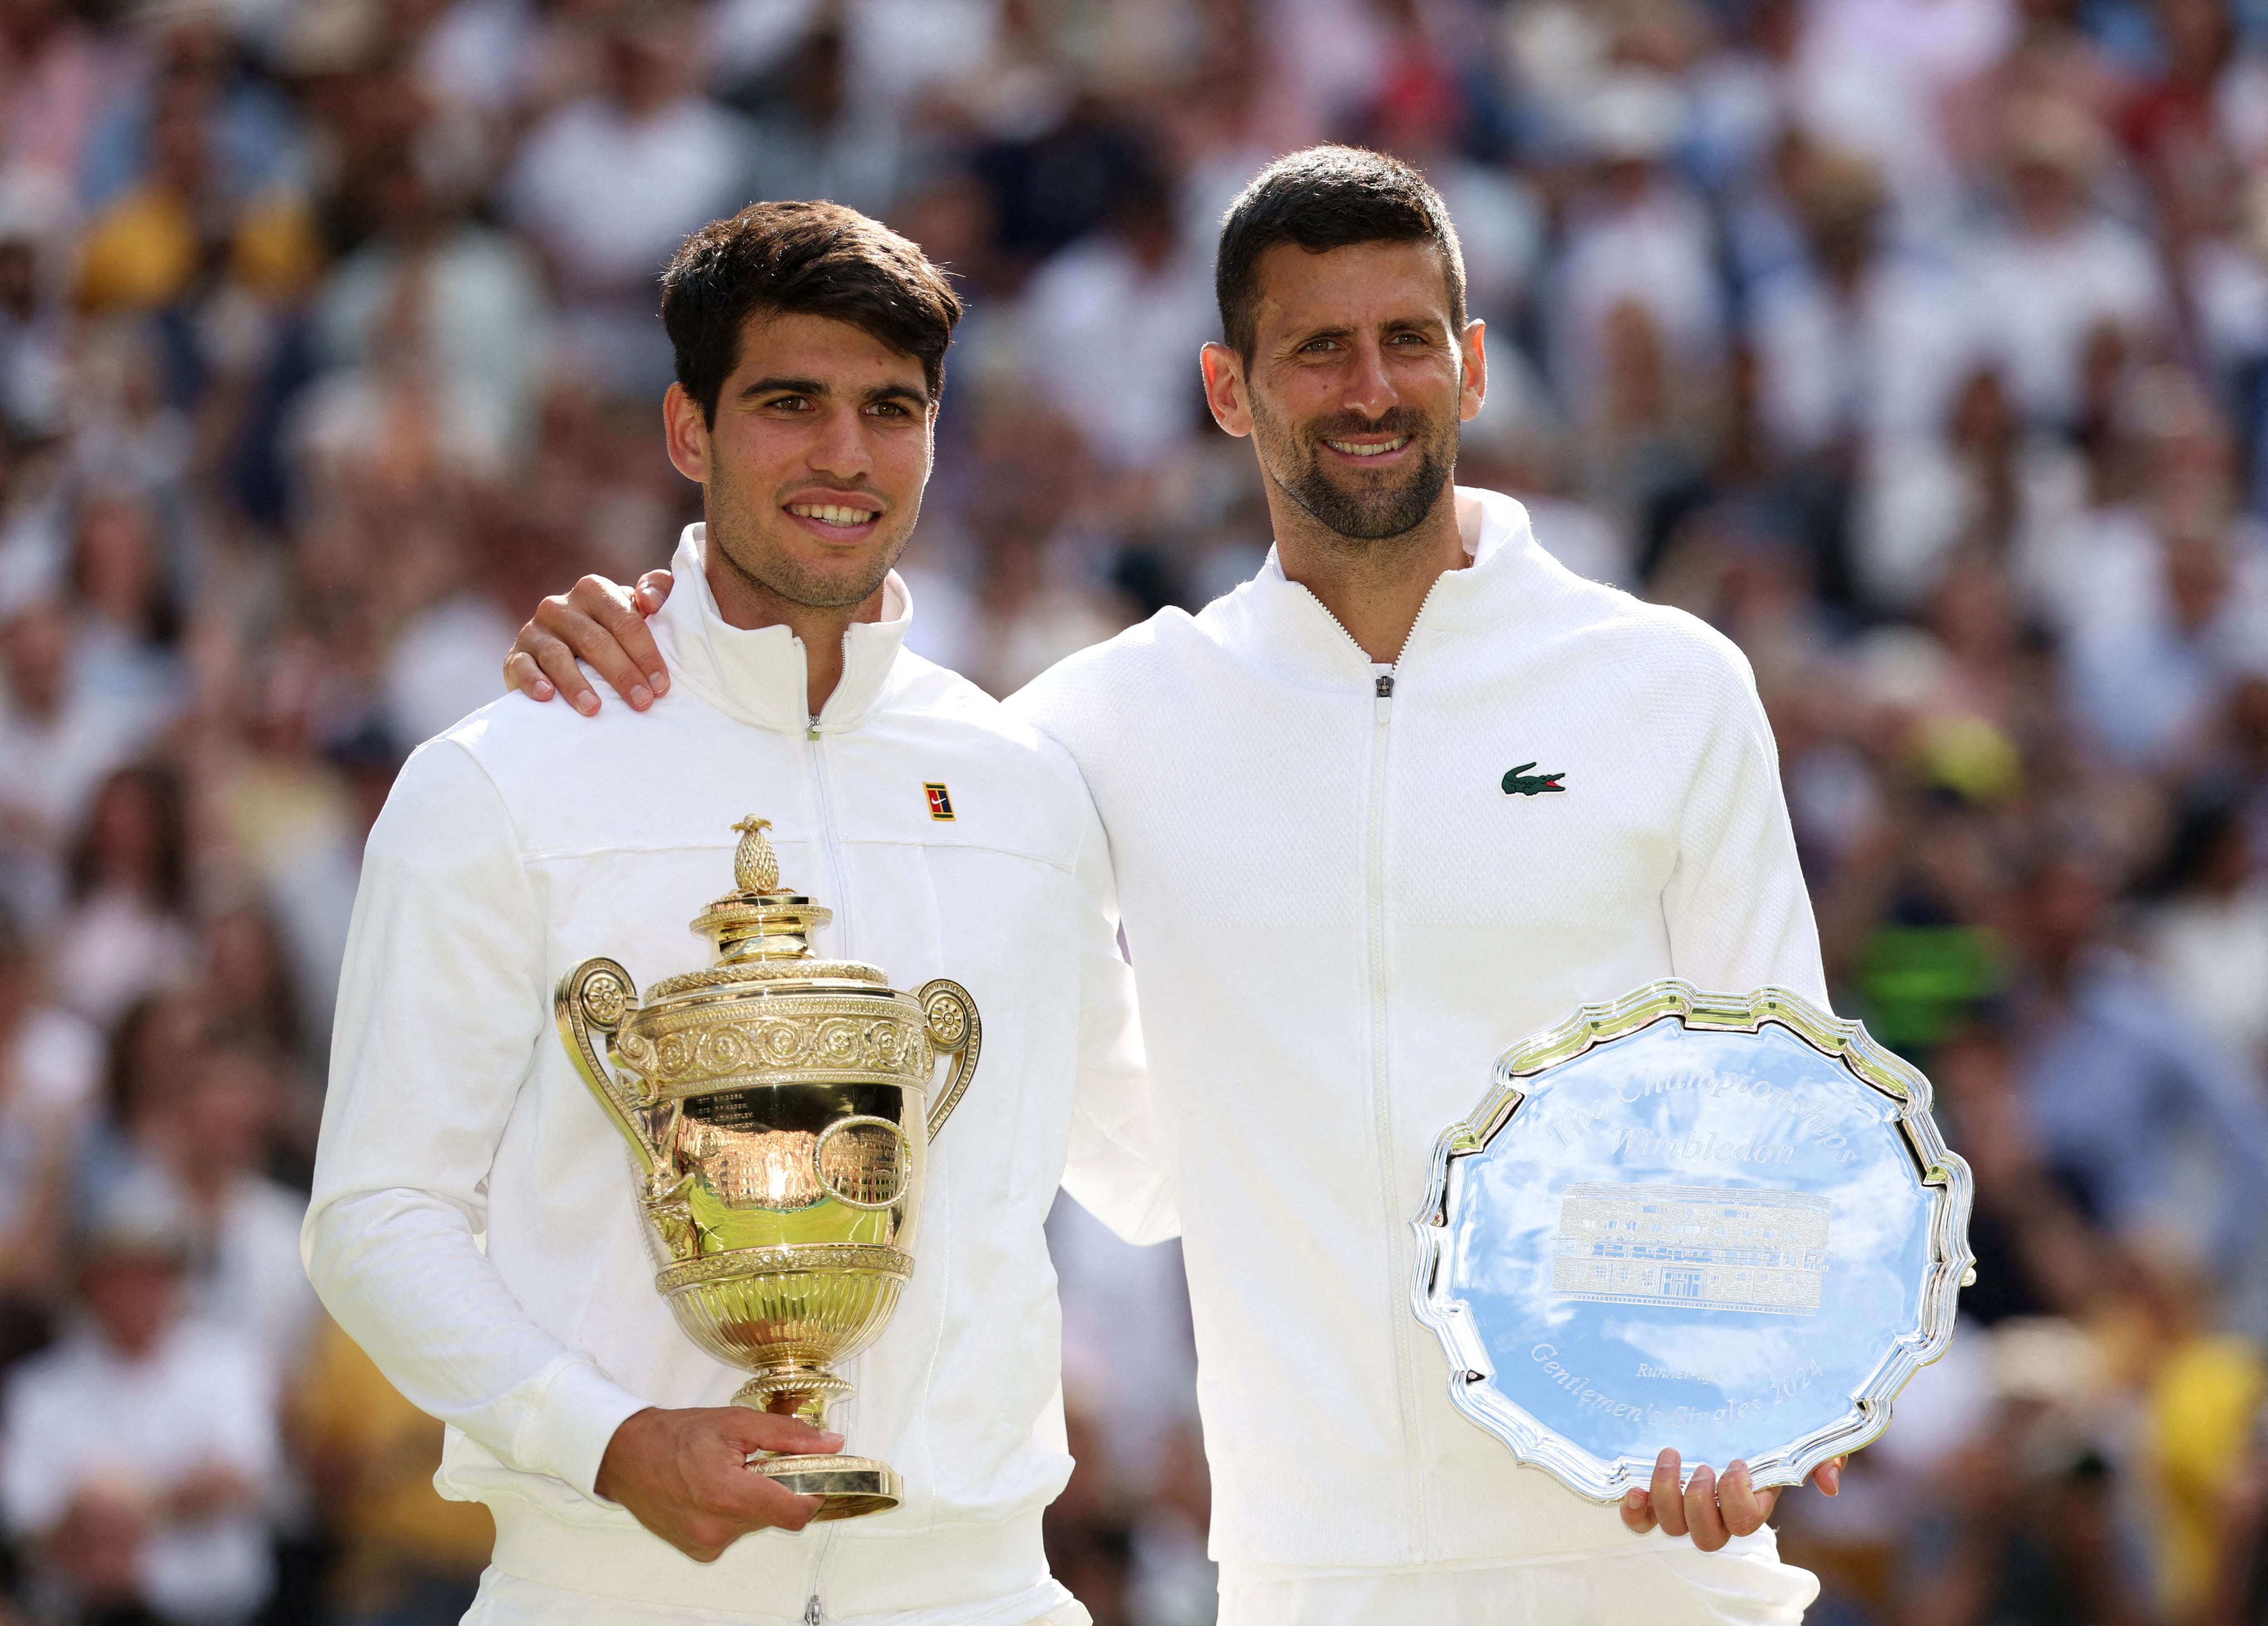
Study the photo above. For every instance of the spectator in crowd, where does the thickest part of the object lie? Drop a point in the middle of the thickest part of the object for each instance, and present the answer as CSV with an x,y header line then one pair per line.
x,y
407,1558
50,1068
137,1452
240,1228
124,933
607,186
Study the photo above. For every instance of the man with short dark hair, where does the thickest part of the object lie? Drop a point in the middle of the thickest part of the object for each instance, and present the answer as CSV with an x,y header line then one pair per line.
x,y
473,1225
1412,793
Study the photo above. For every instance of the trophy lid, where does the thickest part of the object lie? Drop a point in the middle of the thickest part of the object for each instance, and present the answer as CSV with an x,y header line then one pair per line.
x,y
761,920
762,931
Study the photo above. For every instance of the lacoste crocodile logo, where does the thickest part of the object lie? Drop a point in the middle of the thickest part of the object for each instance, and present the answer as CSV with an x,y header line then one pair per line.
x,y
1520,782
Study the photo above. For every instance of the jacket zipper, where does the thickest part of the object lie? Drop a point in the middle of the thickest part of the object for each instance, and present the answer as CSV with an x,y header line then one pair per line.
x,y
1381,1097
1380,1094
830,839
830,842
814,1613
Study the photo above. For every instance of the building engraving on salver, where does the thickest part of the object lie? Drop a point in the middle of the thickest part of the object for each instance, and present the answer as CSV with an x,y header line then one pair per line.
x,y
1702,1248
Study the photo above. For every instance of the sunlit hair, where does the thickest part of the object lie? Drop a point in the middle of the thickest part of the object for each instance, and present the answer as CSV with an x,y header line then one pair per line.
x,y
802,259
1323,198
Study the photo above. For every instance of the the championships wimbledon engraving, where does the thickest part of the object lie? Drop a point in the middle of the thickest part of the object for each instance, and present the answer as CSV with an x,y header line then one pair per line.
x,y
1700,1247
1725,1224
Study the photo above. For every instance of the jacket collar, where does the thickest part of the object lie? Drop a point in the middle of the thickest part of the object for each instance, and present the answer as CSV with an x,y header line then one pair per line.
x,y
760,676
1508,574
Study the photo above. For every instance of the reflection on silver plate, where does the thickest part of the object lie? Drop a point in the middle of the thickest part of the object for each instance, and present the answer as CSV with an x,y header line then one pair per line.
x,y
1721,1222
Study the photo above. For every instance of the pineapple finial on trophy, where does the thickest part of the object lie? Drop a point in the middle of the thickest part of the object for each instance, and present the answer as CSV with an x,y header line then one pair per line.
x,y
755,866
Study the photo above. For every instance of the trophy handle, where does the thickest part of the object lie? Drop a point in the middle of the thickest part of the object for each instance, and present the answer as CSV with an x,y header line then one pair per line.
x,y
592,998
955,1030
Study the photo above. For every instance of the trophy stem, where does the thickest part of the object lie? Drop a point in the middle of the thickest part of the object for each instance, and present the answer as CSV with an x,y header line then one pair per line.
x,y
793,1390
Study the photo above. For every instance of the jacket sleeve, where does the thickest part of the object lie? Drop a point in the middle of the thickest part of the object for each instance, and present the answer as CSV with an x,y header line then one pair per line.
x,y
1117,1168
441,1006
1738,914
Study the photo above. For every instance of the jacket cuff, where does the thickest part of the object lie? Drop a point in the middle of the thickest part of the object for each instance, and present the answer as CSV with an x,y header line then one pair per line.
x,y
572,1424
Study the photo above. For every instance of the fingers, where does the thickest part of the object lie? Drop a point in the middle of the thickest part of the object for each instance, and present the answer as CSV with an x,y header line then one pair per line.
x,y
653,591
1667,1495
1704,1521
766,1430
592,641
1744,1507
1710,1510
759,1504
1828,1476
622,649
541,664
521,673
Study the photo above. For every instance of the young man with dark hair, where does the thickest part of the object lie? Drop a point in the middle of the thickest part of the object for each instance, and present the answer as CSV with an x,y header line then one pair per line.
x,y
1344,897
473,1225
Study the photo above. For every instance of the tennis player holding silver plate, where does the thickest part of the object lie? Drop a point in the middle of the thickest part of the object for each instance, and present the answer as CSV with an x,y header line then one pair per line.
x,y
1724,1224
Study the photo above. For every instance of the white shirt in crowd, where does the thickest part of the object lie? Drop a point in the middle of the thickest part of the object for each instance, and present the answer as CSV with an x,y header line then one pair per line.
x,y
81,1417
1098,299
609,197
2040,297
52,1071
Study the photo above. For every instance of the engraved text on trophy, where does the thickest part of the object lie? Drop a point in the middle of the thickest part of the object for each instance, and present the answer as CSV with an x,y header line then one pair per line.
x,y
1705,1248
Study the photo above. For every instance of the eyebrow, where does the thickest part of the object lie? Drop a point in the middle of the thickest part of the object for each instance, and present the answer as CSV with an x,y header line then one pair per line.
x,y
1343,330
778,386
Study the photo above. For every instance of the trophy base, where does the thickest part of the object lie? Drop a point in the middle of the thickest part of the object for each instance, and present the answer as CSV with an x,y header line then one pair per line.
x,y
850,1487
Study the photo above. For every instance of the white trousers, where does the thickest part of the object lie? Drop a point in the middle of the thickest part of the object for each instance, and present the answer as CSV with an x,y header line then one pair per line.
x,y
507,1599
1671,1585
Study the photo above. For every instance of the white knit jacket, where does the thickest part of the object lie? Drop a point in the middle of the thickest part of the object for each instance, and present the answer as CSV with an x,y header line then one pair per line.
x,y
472,1225
1339,916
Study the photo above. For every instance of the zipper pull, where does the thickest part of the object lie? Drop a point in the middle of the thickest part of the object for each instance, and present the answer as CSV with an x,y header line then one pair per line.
x,y
1385,692
810,1615
811,729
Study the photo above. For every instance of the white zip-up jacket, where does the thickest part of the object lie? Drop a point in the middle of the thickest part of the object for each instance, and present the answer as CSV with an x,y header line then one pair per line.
x,y
1338,918
473,1224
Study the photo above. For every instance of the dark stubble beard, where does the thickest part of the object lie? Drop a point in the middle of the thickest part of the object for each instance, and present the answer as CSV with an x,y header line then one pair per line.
x,y
1384,509
737,527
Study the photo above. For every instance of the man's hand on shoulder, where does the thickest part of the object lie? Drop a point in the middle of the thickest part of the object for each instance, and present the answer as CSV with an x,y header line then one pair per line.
x,y
1710,1510
685,1474
600,621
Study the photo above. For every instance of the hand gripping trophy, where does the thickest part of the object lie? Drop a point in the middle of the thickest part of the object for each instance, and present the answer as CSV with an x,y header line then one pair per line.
x,y
773,1107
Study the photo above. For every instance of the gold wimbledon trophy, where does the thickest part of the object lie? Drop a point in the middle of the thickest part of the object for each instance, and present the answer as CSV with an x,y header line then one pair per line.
x,y
774,1104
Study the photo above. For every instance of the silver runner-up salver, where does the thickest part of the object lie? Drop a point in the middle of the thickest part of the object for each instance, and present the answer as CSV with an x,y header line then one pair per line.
x,y
1725,1222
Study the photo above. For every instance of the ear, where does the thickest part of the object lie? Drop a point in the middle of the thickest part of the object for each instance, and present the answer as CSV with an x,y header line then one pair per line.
x,y
1225,389
686,432
1475,390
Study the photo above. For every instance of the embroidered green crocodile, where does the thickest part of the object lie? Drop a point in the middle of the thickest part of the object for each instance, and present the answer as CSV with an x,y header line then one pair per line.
x,y
1520,782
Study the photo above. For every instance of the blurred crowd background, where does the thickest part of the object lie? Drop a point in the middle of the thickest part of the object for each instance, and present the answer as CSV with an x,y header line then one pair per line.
x,y
1920,345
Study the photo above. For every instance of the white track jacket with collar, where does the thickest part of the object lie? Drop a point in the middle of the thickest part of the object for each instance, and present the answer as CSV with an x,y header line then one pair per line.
x,y
1338,918
472,1225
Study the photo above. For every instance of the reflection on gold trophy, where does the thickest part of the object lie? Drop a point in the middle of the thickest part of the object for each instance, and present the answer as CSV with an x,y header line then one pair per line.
x,y
774,1104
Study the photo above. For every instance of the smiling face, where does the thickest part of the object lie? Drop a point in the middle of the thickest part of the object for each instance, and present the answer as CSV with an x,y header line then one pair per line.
x,y
811,474
1356,384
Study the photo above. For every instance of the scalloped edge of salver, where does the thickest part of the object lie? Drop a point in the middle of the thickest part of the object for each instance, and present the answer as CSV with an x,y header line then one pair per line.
x,y
1471,1388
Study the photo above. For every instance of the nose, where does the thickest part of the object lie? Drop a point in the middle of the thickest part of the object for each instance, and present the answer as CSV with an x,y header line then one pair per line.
x,y
1368,390
840,451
